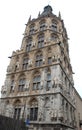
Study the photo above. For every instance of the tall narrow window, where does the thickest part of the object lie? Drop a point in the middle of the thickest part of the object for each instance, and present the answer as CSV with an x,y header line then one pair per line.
x,y
49,60
29,45
36,82
42,25
41,41
33,110
33,113
25,63
48,81
17,112
32,29
21,85
39,60
54,25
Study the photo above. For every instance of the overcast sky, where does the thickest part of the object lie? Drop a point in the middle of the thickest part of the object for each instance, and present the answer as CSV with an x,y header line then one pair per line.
x,y
14,15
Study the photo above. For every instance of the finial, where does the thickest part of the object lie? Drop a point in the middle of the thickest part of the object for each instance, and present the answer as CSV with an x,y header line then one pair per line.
x,y
39,14
29,19
59,15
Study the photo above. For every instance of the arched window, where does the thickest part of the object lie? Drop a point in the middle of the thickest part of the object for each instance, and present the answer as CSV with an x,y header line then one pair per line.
x,y
32,28
33,110
29,44
37,82
42,25
39,60
48,86
53,36
25,63
21,85
67,111
54,25
17,109
41,40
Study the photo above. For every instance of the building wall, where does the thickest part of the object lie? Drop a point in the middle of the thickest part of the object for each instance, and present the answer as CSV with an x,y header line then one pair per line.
x,y
49,102
78,110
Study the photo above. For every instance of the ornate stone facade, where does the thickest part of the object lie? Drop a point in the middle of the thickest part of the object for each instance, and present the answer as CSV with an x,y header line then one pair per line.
x,y
39,84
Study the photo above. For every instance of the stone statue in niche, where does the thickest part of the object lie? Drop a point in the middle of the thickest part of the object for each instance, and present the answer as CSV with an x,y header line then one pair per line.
x,y
40,115
42,82
47,102
33,44
52,83
30,62
55,113
3,90
52,114
60,114
17,64
43,60
27,85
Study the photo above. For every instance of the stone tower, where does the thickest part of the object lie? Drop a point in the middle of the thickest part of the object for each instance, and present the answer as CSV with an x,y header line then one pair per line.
x,y
39,84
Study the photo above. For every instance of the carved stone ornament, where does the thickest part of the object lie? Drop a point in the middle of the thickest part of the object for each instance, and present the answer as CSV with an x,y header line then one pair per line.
x,y
53,58
27,84
33,44
42,83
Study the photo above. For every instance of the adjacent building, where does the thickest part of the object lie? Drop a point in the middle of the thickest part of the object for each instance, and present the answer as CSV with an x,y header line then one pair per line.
x,y
39,84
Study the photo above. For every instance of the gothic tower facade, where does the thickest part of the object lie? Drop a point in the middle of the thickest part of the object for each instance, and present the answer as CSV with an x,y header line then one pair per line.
x,y
39,84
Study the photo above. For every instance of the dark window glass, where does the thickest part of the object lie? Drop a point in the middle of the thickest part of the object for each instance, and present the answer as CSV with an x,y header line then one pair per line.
x,y
54,27
41,41
49,60
29,45
48,81
33,114
25,63
39,60
36,83
17,112
21,85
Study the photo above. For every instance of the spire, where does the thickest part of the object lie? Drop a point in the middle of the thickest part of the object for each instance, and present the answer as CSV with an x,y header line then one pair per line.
x,y
39,14
29,19
59,15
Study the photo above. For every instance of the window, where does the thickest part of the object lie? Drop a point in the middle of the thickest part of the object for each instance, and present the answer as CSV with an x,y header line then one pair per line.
x,y
33,113
36,82
33,110
17,112
25,63
54,25
12,86
39,60
32,29
53,37
49,60
41,41
42,25
29,45
21,85
48,81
